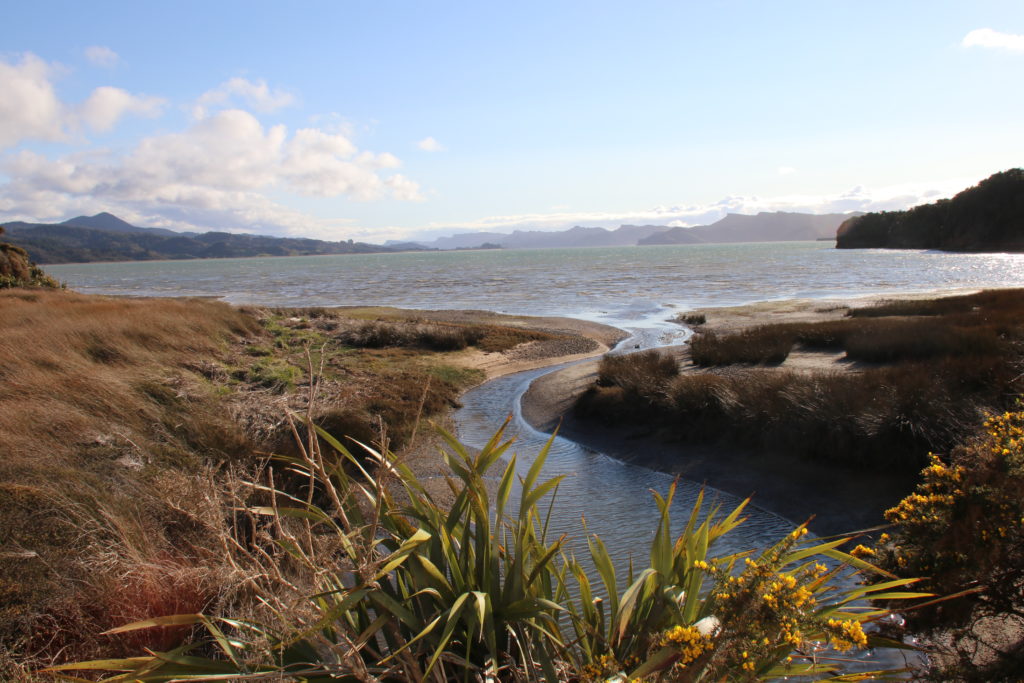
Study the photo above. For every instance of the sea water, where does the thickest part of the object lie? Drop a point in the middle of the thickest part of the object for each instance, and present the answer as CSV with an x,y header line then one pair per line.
x,y
623,286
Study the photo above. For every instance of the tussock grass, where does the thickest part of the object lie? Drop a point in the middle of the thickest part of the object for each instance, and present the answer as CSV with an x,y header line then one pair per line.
x,y
929,379
983,324
634,371
436,336
759,345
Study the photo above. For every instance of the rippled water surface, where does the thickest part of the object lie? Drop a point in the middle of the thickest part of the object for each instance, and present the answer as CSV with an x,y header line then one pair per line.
x,y
612,284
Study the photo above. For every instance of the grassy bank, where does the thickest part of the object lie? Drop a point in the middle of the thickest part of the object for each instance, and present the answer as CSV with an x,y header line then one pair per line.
x,y
914,377
127,424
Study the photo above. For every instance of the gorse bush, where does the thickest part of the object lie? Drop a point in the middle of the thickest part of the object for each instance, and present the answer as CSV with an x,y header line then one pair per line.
x,y
477,590
963,529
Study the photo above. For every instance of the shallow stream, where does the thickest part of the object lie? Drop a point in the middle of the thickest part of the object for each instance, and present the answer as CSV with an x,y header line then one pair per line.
x,y
607,497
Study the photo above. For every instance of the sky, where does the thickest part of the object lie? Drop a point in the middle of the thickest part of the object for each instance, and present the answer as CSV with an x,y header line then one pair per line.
x,y
384,120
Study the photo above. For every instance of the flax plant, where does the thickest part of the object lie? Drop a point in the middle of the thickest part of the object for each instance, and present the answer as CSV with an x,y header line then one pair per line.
x,y
420,591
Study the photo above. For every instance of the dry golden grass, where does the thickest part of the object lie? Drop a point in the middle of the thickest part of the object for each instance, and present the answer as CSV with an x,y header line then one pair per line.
x,y
123,421
98,406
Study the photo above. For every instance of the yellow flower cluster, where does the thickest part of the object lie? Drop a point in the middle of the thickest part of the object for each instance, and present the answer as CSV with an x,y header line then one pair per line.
x,y
863,551
601,667
846,634
688,641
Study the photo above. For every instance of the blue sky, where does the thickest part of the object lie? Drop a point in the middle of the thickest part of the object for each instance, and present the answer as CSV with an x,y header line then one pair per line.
x,y
393,120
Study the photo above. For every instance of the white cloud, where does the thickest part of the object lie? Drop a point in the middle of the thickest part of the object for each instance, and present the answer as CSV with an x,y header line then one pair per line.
x,y
100,55
214,175
429,144
31,110
29,107
989,38
106,105
256,95
786,170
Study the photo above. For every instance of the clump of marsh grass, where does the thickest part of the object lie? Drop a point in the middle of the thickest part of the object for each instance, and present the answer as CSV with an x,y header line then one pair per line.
x,y
986,324
926,371
436,336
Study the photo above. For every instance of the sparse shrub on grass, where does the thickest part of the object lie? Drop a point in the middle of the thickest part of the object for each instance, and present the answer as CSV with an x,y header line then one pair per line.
x,y
366,589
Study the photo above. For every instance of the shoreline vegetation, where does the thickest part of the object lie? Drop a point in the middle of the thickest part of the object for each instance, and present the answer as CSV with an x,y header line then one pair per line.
x,y
985,218
139,484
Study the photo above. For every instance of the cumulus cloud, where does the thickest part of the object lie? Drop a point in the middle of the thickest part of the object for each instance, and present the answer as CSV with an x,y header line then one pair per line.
x,y
215,174
992,39
29,106
256,95
106,105
429,144
31,110
100,55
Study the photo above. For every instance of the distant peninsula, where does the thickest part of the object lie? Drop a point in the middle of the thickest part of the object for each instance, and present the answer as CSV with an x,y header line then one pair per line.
x,y
105,237
986,217
776,226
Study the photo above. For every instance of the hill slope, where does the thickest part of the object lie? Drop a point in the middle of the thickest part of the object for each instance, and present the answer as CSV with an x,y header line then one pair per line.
x,y
986,217
779,226
72,242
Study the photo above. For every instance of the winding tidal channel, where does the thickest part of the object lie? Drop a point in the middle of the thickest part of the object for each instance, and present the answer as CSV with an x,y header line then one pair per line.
x,y
613,497
607,497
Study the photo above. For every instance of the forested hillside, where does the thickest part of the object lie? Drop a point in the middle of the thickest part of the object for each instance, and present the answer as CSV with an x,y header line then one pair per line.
x,y
67,243
986,217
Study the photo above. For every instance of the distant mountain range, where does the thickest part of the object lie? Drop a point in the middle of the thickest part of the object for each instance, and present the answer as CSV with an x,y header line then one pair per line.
x,y
105,237
764,227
